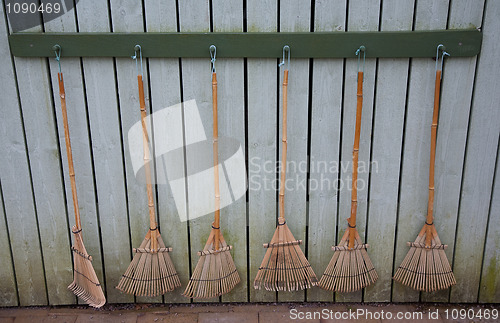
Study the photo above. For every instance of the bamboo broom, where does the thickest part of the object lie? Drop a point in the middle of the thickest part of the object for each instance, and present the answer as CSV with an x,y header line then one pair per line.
x,y
151,272
215,274
426,267
351,268
85,283
284,267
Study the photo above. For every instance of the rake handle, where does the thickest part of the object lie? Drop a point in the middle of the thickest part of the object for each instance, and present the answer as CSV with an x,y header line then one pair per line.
x,y
147,168
435,116
216,223
355,153
285,144
62,95
281,219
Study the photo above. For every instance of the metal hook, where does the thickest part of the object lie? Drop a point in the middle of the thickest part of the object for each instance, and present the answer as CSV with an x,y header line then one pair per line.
x,y
286,48
213,53
57,49
361,49
137,48
445,53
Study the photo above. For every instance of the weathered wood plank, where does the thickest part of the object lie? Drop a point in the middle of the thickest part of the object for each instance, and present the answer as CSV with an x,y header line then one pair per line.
x,y
228,17
17,191
8,295
362,16
165,92
107,152
456,96
389,115
128,17
80,144
38,115
430,15
197,85
326,94
45,163
295,16
489,288
262,144
479,167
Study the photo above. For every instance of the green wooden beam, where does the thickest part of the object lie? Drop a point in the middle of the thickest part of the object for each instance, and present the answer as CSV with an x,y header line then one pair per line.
x,y
315,45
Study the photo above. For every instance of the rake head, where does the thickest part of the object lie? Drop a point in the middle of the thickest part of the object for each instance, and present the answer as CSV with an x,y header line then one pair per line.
x,y
85,283
215,274
285,267
350,269
151,272
426,268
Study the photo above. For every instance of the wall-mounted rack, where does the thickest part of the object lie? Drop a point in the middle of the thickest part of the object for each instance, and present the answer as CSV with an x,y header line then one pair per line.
x,y
254,45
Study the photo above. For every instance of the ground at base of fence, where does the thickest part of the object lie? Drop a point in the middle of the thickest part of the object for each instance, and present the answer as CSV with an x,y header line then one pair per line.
x,y
254,313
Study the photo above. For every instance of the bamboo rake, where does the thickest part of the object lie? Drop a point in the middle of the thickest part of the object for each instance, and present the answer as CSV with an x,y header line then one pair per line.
x,y
284,267
215,274
85,283
151,272
426,267
350,268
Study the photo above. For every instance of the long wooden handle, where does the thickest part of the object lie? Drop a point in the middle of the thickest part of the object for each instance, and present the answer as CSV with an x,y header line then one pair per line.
x,y
430,206
147,167
285,144
355,153
62,95
216,223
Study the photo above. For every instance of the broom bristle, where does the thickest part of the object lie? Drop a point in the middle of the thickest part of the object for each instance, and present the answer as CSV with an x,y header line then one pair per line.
x,y
350,269
285,267
215,274
85,283
150,273
426,269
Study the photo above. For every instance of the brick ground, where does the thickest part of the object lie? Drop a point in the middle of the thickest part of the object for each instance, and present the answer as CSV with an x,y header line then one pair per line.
x,y
239,313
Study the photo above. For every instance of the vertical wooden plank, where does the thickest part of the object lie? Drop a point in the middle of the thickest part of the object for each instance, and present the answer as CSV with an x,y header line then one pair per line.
x,y
430,15
45,165
479,167
43,151
8,295
228,17
80,143
362,16
262,144
17,191
489,288
197,85
389,115
107,152
128,17
325,141
164,74
295,16
456,96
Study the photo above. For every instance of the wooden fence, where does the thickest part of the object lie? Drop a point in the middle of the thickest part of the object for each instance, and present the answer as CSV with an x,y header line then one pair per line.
x,y
36,209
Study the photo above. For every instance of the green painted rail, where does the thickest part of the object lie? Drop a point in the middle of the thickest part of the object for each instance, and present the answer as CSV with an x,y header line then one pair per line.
x,y
395,44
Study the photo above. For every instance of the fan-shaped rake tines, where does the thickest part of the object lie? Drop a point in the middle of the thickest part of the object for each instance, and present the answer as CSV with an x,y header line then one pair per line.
x,y
350,269
426,268
151,272
85,283
215,274
285,267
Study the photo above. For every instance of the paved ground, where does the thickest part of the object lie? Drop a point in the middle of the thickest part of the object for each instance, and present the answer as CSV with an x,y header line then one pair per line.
x,y
254,313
